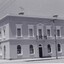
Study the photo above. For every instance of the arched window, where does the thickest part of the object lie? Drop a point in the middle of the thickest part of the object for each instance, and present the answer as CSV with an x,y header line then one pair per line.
x,y
18,49
40,45
59,47
4,51
31,49
0,50
49,48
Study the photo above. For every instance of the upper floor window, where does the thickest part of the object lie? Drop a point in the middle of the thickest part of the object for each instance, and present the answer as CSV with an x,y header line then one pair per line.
x,y
18,29
58,31
4,30
48,30
40,32
0,32
30,30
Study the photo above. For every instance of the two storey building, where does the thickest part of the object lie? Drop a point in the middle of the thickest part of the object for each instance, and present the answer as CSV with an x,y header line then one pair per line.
x,y
30,37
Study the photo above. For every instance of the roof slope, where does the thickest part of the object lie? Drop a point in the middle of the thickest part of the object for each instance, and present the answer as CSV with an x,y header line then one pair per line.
x,y
34,8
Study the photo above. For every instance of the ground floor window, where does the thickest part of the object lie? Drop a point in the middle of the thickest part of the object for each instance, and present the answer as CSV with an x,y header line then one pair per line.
x,y
31,49
18,49
59,47
0,50
49,48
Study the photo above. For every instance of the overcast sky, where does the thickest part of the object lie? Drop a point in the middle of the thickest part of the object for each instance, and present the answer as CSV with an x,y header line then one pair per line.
x,y
39,8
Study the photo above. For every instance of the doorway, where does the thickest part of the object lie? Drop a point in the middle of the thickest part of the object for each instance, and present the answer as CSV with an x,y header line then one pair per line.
x,y
40,52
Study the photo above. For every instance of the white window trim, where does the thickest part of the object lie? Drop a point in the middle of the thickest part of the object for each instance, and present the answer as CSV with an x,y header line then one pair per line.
x,y
33,53
1,32
58,27
51,49
19,26
30,27
34,50
60,48
40,26
21,50
48,27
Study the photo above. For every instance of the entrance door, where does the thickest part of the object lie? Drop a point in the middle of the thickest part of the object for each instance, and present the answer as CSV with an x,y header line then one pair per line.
x,y
40,52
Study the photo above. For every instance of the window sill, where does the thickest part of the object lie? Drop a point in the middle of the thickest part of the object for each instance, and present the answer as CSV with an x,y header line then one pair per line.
x,y
19,36
19,54
60,52
58,36
49,36
0,38
32,54
0,54
30,36
50,53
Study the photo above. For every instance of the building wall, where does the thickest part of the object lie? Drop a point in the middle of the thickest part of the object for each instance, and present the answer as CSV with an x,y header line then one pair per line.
x,y
32,21
25,51
12,41
6,54
4,23
25,22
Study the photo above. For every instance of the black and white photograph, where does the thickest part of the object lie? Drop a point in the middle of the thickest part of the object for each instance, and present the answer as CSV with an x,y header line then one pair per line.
x,y
31,31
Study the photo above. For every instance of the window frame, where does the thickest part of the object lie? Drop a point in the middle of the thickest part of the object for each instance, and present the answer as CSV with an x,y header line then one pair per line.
x,y
21,50
18,32
58,28
0,49
30,27
1,32
4,34
19,26
33,52
40,26
48,32
49,48
48,28
60,48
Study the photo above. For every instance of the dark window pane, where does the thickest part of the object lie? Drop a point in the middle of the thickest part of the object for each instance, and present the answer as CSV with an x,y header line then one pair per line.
x,y
18,49
48,32
49,48
40,33
0,33
31,32
18,32
59,48
58,32
31,49
4,30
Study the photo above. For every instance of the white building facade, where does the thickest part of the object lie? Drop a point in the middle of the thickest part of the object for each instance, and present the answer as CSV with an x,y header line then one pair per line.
x,y
28,37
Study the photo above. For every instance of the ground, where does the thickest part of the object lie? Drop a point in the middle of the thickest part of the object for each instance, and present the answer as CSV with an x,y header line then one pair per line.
x,y
33,61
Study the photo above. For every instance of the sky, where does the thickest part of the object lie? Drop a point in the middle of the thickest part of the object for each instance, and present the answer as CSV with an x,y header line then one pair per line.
x,y
37,8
